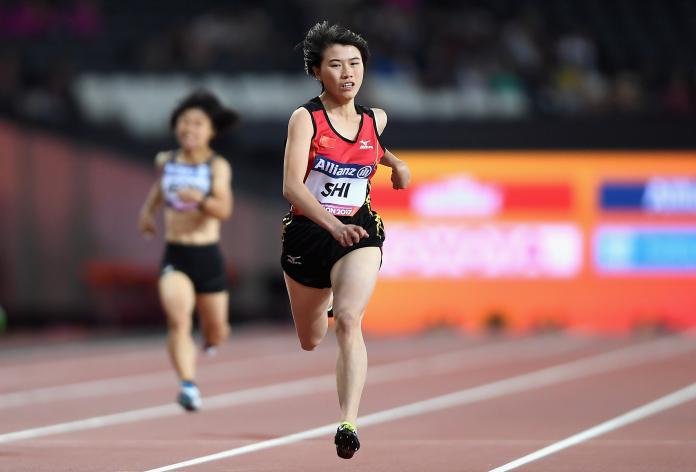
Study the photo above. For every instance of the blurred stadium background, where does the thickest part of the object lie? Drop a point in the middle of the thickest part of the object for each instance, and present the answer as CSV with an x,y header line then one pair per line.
x,y
553,145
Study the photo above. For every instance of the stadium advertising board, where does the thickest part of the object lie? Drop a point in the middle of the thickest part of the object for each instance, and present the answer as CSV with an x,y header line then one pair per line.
x,y
595,241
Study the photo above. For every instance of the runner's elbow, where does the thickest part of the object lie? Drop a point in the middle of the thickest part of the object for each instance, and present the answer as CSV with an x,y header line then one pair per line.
x,y
220,213
289,192
225,213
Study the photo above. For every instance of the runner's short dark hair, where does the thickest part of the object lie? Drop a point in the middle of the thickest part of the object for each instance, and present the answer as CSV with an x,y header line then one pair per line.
x,y
322,35
221,116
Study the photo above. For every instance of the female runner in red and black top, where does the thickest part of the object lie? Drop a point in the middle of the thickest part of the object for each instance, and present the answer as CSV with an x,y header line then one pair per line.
x,y
332,239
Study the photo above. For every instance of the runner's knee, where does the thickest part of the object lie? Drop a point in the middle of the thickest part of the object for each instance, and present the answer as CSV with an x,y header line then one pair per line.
x,y
348,321
219,333
309,343
179,325
312,338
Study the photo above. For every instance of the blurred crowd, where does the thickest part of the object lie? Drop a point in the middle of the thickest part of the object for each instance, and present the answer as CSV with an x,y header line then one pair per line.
x,y
38,85
563,57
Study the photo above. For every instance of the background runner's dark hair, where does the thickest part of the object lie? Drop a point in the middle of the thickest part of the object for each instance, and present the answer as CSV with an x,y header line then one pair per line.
x,y
322,35
222,117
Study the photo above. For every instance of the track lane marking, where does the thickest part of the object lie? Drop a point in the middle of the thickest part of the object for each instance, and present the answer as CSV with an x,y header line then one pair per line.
x,y
126,383
158,379
140,382
666,402
595,364
488,354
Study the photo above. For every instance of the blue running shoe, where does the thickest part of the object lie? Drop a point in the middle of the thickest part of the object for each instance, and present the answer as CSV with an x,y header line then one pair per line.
x,y
209,350
189,396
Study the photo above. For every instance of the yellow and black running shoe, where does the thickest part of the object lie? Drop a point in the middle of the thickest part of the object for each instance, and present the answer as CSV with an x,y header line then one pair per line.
x,y
346,440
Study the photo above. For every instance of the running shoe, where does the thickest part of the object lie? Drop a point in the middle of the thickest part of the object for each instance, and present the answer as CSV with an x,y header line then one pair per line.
x,y
189,396
209,350
346,440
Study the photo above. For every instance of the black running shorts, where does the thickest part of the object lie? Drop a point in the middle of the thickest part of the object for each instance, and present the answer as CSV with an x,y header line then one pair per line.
x,y
309,251
204,265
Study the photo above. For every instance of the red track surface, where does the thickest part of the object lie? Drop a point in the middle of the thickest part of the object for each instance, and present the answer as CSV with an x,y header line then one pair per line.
x,y
473,434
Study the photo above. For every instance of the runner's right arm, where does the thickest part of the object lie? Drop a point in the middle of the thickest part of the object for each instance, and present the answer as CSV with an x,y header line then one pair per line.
x,y
153,201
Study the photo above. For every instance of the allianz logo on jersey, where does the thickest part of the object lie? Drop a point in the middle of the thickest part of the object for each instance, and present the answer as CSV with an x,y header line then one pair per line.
x,y
365,144
337,169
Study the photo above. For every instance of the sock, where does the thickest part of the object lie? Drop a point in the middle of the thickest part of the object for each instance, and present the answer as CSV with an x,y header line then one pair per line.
x,y
348,426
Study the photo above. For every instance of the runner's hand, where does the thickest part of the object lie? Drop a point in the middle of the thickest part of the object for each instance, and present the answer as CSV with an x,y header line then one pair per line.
x,y
347,235
146,225
400,176
190,195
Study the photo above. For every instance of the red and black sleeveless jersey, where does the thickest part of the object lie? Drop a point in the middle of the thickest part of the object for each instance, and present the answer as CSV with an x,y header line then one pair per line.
x,y
339,170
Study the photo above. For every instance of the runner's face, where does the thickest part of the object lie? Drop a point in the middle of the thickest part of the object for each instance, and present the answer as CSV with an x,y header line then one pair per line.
x,y
341,71
194,130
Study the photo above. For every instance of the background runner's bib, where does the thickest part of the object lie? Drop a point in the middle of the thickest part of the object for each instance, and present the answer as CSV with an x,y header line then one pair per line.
x,y
339,169
177,176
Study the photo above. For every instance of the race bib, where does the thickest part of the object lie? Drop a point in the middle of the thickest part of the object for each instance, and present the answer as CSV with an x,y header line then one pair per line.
x,y
180,176
340,188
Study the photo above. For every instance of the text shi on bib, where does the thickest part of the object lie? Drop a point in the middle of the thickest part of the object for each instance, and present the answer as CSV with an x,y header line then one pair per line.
x,y
340,188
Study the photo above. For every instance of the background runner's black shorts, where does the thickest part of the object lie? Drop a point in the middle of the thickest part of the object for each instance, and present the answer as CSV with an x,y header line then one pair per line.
x,y
204,265
309,251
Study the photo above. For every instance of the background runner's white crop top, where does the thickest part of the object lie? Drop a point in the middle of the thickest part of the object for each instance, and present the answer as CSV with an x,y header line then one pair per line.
x,y
178,175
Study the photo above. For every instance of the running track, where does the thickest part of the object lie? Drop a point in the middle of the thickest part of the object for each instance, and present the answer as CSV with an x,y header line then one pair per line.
x,y
437,402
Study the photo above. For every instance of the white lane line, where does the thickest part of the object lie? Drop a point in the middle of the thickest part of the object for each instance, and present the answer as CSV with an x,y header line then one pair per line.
x,y
33,358
140,382
684,395
173,444
433,365
591,365
154,380
129,383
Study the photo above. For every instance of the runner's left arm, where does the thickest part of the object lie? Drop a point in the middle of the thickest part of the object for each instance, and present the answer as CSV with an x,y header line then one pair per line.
x,y
401,174
219,203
